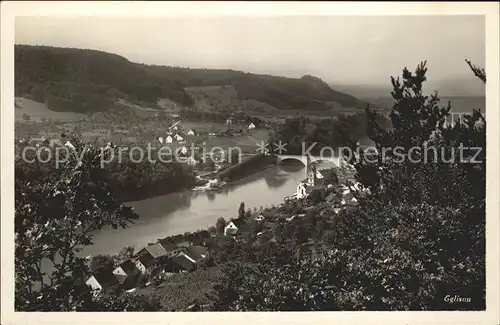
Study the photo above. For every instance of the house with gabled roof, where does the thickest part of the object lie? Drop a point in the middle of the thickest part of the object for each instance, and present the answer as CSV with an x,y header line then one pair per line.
x,y
126,273
195,254
144,261
156,250
330,197
201,250
102,280
234,226
167,244
178,137
182,263
260,217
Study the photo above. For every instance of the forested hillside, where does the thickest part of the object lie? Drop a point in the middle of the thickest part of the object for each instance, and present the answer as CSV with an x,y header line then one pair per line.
x,y
88,81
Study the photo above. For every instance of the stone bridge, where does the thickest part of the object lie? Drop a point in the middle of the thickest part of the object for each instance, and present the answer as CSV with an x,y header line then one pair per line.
x,y
307,160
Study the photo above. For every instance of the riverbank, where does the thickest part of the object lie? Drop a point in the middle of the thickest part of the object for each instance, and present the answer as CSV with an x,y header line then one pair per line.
x,y
188,211
246,167
184,182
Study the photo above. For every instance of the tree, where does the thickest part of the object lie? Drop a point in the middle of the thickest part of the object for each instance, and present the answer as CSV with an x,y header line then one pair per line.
x,y
125,254
418,123
220,224
241,210
478,72
101,261
419,235
53,221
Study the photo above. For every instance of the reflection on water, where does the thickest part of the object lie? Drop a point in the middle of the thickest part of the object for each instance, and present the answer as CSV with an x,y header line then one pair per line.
x,y
177,213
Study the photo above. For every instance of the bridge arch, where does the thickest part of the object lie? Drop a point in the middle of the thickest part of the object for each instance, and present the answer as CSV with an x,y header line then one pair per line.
x,y
282,158
305,160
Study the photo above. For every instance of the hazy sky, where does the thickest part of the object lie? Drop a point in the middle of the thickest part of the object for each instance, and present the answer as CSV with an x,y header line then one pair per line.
x,y
338,49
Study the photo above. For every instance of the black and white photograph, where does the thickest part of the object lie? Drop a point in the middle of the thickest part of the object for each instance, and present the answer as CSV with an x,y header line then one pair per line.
x,y
235,161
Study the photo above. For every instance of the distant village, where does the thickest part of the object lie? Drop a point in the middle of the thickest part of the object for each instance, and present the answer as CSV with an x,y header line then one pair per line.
x,y
175,137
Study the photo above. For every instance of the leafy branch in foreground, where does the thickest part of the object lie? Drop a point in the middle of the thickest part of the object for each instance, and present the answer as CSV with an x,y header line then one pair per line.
x,y
53,221
478,72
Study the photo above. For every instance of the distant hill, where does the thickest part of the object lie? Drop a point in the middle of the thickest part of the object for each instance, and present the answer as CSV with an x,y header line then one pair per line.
x,y
452,87
458,104
87,81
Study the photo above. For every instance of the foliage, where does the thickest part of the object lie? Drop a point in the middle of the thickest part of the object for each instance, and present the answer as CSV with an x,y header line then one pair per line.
x,y
127,302
418,237
330,133
101,261
220,225
128,180
478,72
184,289
125,254
53,221
241,210
86,80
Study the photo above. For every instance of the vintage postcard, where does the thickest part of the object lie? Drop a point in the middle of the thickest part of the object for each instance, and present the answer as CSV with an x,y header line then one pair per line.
x,y
174,158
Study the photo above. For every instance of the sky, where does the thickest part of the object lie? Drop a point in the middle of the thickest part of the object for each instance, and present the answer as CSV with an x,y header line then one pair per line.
x,y
338,49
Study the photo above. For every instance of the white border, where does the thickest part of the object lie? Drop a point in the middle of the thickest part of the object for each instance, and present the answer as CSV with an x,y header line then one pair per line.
x,y
11,9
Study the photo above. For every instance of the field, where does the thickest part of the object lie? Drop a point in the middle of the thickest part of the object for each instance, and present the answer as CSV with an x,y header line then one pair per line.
x,y
225,98
39,112
138,134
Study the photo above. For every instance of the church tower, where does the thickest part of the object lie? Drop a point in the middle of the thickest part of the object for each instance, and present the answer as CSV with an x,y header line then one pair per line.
x,y
311,173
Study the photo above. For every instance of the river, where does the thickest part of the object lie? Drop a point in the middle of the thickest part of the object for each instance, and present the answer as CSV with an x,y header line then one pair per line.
x,y
178,213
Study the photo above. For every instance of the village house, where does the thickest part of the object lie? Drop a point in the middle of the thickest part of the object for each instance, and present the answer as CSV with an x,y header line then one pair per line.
x,y
182,263
102,280
178,137
69,145
183,150
316,180
333,199
144,261
266,214
167,244
191,132
260,217
156,251
304,189
191,161
251,126
168,139
233,226
192,254
202,251
126,273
